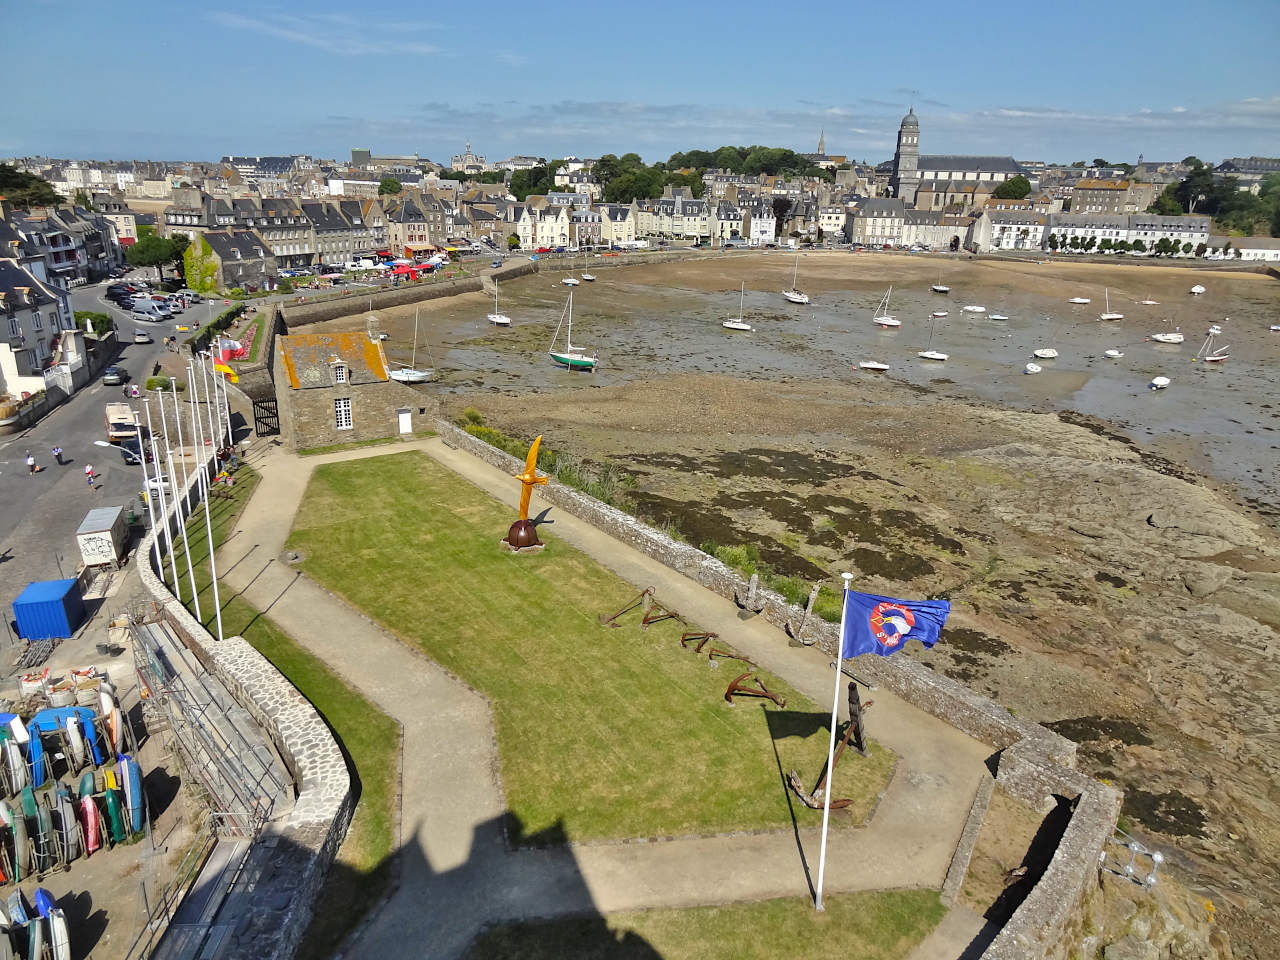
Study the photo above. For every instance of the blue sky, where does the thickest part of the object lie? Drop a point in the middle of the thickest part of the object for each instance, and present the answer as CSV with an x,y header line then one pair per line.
x,y
197,81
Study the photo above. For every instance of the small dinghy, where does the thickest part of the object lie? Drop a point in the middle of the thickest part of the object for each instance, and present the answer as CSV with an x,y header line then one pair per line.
x,y
1080,300
1033,368
1149,302
1158,383
570,281
873,365
59,935
1113,354
938,313
974,308
133,800
997,316
1275,328
1174,337
1045,353
932,355
589,277
1197,290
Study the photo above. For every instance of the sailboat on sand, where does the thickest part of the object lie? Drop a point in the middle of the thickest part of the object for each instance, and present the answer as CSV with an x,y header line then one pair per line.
x,y
928,353
738,322
575,358
795,295
411,374
1107,314
882,318
497,318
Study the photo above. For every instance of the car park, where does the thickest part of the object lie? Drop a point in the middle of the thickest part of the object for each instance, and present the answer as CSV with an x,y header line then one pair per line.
x,y
114,376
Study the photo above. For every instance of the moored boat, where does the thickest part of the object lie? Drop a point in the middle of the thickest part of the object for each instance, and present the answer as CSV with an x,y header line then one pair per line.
x,y
1032,368
875,366
1158,383
975,308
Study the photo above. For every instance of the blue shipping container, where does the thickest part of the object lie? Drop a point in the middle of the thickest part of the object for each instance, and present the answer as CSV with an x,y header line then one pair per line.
x,y
48,609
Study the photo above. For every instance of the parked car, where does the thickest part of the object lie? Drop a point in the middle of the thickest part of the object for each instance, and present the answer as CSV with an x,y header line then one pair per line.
x,y
132,451
495,264
114,376
157,484
543,250
149,311
189,295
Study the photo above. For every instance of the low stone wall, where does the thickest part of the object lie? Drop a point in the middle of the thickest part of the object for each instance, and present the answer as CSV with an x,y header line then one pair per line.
x,y
301,314
299,850
1034,763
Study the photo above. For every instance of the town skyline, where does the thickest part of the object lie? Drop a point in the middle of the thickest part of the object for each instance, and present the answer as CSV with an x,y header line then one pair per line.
x,y
321,81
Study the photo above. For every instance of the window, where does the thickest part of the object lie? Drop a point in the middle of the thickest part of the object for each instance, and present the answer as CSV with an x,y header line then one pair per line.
x,y
342,413
36,322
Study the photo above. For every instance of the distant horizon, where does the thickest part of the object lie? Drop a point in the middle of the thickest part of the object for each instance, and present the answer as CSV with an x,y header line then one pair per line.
x,y
317,79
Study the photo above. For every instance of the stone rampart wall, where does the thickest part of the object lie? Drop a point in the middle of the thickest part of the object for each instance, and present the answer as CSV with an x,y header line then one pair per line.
x,y
1034,763
302,846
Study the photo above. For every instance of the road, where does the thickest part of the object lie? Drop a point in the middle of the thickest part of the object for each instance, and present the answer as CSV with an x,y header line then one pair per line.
x,y
39,514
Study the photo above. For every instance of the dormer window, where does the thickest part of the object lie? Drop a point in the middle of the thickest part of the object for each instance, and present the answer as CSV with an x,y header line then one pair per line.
x,y
339,370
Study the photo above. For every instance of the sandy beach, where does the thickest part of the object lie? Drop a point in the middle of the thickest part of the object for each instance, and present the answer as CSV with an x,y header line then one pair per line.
x,y
1111,553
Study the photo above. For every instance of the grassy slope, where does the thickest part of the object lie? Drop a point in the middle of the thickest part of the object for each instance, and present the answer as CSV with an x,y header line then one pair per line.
x,y
607,733
869,926
369,738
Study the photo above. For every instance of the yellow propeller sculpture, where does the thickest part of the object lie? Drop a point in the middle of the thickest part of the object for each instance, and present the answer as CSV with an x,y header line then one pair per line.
x,y
523,534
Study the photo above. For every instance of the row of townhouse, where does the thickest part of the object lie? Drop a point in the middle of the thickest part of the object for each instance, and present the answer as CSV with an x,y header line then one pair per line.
x,y
75,245
1031,230
39,345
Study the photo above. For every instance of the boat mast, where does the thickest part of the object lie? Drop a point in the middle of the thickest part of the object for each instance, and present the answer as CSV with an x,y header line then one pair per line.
x,y
413,362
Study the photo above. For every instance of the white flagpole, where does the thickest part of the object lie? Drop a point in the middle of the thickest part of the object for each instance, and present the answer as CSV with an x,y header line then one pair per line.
x,y
168,452
164,504
208,521
831,748
146,493
204,376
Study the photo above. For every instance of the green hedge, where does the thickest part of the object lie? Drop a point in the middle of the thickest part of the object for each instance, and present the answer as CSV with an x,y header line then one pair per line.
x,y
199,341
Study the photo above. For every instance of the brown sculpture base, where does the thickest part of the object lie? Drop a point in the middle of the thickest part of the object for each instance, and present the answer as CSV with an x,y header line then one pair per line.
x,y
522,538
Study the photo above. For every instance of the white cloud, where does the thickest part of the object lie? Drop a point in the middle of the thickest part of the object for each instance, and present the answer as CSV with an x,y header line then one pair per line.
x,y
333,33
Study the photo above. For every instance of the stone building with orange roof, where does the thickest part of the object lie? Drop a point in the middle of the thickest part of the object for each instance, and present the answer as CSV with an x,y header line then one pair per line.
x,y
336,387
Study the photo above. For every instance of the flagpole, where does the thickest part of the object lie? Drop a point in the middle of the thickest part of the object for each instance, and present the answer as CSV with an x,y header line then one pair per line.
x,y
831,747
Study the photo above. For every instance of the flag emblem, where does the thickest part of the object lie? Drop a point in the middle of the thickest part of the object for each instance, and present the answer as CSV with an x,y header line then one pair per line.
x,y
890,623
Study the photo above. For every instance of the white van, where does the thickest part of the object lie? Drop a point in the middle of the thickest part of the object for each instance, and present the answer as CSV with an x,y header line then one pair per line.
x,y
150,311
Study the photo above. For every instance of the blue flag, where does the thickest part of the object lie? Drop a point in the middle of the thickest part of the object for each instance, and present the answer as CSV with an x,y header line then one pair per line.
x,y
883,625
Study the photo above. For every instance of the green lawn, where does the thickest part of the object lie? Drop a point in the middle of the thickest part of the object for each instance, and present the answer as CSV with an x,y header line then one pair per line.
x,y
601,733
885,925
369,738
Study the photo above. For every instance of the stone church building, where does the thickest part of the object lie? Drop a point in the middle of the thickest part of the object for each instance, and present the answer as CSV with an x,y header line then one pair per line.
x,y
943,180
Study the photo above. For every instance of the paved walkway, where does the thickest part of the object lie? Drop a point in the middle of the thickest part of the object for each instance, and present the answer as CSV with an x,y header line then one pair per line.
x,y
456,874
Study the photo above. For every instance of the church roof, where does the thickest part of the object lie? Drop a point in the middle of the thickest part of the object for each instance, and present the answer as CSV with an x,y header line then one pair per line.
x,y
951,161
910,119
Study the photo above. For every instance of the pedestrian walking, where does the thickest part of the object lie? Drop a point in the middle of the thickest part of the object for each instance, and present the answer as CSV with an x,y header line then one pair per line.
x,y
57,455
31,464
89,475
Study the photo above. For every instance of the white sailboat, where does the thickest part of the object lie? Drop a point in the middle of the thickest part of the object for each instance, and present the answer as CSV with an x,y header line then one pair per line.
x,y
1079,300
1197,290
1047,353
497,318
738,322
997,316
1158,383
975,308
570,281
940,287
411,373
589,277
575,358
1208,354
1107,314
875,366
794,295
1175,337
881,318
938,313
928,353
1113,354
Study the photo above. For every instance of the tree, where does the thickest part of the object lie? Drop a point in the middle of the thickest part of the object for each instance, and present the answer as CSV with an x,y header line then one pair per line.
x,y
389,185
1201,249
1015,188
1079,163
100,323
284,286
82,200
1139,245
1105,244
155,251
1192,161
1074,243
513,241
1090,243
1164,246
1053,241
781,208
199,267
26,190
1166,203
1122,246
1186,247
1099,162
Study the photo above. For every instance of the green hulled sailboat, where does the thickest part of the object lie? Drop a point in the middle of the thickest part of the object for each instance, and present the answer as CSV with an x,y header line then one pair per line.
x,y
575,358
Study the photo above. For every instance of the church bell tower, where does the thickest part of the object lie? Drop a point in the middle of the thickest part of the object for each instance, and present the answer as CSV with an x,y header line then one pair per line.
x,y
906,159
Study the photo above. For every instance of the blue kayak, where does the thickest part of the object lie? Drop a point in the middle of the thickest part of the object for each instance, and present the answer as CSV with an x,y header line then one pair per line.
x,y
44,901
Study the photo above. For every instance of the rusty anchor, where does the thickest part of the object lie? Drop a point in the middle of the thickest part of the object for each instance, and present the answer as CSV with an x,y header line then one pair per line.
x,y
612,621
852,734
657,613
741,688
